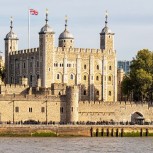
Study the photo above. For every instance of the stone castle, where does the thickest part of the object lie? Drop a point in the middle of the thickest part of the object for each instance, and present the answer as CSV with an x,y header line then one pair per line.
x,y
64,84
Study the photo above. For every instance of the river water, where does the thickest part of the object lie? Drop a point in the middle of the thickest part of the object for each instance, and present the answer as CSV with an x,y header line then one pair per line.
x,y
76,145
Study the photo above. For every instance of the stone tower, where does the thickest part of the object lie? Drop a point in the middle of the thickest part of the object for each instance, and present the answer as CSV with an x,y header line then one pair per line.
x,y
11,44
109,63
120,76
72,96
46,54
106,38
66,39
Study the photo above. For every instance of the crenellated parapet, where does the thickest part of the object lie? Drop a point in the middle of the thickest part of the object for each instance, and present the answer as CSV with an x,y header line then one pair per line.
x,y
78,50
25,51
13,89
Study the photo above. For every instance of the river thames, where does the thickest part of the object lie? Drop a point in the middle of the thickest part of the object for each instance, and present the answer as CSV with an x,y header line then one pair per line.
x,y
76,145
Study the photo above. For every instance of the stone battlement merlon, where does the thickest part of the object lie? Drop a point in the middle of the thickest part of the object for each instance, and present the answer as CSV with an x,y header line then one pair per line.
x,y
25,51
34,97
78,50
14,86
122,104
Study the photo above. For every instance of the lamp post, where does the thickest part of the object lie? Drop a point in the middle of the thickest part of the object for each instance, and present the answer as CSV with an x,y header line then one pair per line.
x,y
12,109
0,118
46,113
46,102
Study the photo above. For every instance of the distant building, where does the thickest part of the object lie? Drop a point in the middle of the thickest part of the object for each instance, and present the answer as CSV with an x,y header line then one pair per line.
x,y
125,65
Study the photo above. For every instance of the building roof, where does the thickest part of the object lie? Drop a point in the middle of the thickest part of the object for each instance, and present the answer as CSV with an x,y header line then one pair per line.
x,y
46,29
66,34
11,34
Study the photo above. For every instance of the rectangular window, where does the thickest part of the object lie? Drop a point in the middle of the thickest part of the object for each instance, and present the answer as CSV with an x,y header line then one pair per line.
x,y
24,65
16,109
30,109
30,64
61,109
42,109
37,63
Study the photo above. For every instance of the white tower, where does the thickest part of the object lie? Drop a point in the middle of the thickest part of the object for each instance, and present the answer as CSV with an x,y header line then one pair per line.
x,y
11,44
46,54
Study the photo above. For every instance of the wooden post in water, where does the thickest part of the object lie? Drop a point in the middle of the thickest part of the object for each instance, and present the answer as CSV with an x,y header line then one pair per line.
x,y
141,132
147,132
116,132
122,132
102,132
97,132
91,132
107,132
112,132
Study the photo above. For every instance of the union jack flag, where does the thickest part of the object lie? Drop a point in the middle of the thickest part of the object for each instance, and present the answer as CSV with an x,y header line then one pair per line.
x,y
33,12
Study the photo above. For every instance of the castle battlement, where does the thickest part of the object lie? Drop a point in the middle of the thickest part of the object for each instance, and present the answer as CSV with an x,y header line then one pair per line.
x,y
25,51
13,89
121,104
78,50
14,86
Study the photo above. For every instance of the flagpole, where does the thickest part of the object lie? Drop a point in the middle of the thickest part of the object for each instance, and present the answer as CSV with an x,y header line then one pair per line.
x,y
28,28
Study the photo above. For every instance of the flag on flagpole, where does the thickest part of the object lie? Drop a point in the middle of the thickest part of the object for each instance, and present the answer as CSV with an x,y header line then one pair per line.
x,y
33,12
30,12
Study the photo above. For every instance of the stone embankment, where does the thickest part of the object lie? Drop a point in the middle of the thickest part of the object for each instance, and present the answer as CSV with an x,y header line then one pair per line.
x,y
76,130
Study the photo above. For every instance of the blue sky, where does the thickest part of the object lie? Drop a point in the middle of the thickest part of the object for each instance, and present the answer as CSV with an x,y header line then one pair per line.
x,y
130,20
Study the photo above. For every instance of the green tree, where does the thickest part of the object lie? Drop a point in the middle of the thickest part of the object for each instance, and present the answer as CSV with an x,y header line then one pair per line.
x,y
139,82
2,73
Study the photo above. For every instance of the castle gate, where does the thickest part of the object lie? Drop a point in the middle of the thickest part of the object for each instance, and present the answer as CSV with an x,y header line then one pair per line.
x,y
137,118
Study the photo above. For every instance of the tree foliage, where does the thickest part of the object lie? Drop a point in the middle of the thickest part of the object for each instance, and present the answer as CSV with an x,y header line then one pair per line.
x,y
2,73
138,84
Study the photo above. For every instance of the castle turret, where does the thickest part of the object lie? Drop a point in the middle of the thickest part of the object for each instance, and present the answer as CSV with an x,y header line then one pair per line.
x,y
46,54
120,76
66,39
106,37
72,94
11,44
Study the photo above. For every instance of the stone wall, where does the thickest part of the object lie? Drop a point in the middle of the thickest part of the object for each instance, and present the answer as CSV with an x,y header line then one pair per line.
x,y
79,130
54,108
13,89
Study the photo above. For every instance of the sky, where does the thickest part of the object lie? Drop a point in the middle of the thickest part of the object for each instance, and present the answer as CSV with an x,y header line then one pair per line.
x,y
130,20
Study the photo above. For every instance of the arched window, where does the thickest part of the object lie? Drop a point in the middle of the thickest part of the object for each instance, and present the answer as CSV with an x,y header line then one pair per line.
x,y
24,65
30,78
58,76
109,78
85,66
97,93
97,67
71,77
84,92
110,93
97,78
110,68
85,77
